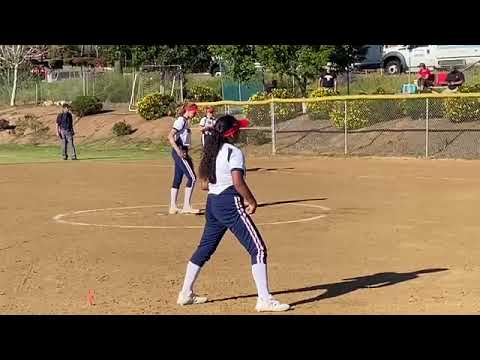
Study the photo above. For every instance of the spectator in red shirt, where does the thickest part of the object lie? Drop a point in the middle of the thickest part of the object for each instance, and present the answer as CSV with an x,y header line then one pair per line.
x,y
424,77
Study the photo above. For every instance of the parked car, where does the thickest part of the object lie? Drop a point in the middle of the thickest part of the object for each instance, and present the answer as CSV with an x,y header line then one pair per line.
x,y
407,58
372,58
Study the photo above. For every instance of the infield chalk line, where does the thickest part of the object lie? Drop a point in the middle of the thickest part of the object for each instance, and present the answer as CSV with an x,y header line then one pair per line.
x,y
60,218
412,177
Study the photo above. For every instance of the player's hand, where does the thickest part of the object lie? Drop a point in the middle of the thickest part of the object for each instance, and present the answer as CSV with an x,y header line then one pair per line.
x,y
204,184
251,207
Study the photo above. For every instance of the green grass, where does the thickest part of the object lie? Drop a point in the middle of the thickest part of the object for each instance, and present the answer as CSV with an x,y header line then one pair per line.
x,y
368,84
116,88
14,153
203,80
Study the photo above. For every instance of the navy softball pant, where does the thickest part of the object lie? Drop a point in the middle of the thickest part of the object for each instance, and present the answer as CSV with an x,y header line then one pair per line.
x,y
183,167
226,211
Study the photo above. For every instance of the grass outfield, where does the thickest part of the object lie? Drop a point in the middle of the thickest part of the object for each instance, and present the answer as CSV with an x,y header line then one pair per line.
x,y
14,153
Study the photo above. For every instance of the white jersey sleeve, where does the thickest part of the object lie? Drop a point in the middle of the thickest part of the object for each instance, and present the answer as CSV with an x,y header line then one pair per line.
x,y
237,160
229,158
179,124
203,121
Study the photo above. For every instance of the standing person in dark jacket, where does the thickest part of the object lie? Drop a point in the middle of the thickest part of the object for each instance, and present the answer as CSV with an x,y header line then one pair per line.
x,y
65,131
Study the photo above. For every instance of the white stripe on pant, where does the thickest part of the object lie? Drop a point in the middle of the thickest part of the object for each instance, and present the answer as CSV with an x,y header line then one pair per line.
x,y
190,171
251,230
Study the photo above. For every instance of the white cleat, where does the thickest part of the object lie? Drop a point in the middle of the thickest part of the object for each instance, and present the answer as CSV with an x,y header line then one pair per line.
x,y
173,211
270,305
190,211
190,299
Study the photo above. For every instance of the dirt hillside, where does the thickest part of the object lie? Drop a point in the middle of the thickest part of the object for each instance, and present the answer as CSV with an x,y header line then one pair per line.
x,y
88,129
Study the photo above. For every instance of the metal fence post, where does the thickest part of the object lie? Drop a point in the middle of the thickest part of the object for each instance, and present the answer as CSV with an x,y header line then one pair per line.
x,y
346,129
272,115
426,127
181,85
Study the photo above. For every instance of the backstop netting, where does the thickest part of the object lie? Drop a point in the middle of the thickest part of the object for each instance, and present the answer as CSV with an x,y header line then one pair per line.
x,y
164,79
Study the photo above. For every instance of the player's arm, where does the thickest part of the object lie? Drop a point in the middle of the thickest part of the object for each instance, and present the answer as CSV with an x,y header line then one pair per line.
x,y
171,139
58,127
243,189
71,124
202,124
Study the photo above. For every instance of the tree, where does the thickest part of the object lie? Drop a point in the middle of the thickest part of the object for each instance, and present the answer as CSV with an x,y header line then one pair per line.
x,y
303,62
346,55
14,56
239,60
192,58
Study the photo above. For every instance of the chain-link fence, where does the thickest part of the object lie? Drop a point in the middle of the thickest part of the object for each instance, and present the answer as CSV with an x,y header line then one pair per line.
x,y
107,86
433,126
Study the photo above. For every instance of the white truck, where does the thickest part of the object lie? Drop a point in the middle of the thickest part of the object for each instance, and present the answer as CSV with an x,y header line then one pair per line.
x,y
407,58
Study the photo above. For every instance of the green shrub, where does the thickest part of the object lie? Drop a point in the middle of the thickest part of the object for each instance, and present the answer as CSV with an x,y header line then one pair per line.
x,y
414,108
86,105
201,93
155,106
463,109
121,128
320,110
470,89
260,114
358,114
380,91
417,108
383,109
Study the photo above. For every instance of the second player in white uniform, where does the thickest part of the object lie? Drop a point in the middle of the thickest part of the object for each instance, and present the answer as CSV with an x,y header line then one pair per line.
x,y
206,125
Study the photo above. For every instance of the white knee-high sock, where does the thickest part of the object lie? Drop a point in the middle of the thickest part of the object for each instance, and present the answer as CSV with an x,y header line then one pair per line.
x,y
259,272
187,200
190,277
173,198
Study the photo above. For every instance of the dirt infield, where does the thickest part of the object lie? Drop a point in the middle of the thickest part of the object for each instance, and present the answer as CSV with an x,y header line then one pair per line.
x,y
345,236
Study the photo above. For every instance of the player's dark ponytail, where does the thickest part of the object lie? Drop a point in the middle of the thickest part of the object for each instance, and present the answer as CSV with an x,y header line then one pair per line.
x,y
212,147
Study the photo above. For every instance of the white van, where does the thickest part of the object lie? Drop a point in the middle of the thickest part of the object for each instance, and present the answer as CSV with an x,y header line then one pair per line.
x,y
407,58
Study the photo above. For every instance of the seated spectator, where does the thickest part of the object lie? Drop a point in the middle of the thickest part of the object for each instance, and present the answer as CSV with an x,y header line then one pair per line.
x,y
424,77
455,79
328,79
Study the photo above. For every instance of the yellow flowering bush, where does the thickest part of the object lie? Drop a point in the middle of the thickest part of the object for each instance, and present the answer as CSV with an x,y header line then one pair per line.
x,y
320,110
359,113
463,109
260,114
156,105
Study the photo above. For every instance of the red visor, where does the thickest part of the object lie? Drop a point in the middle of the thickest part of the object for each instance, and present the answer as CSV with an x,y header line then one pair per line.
x,y
192,107
242,123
